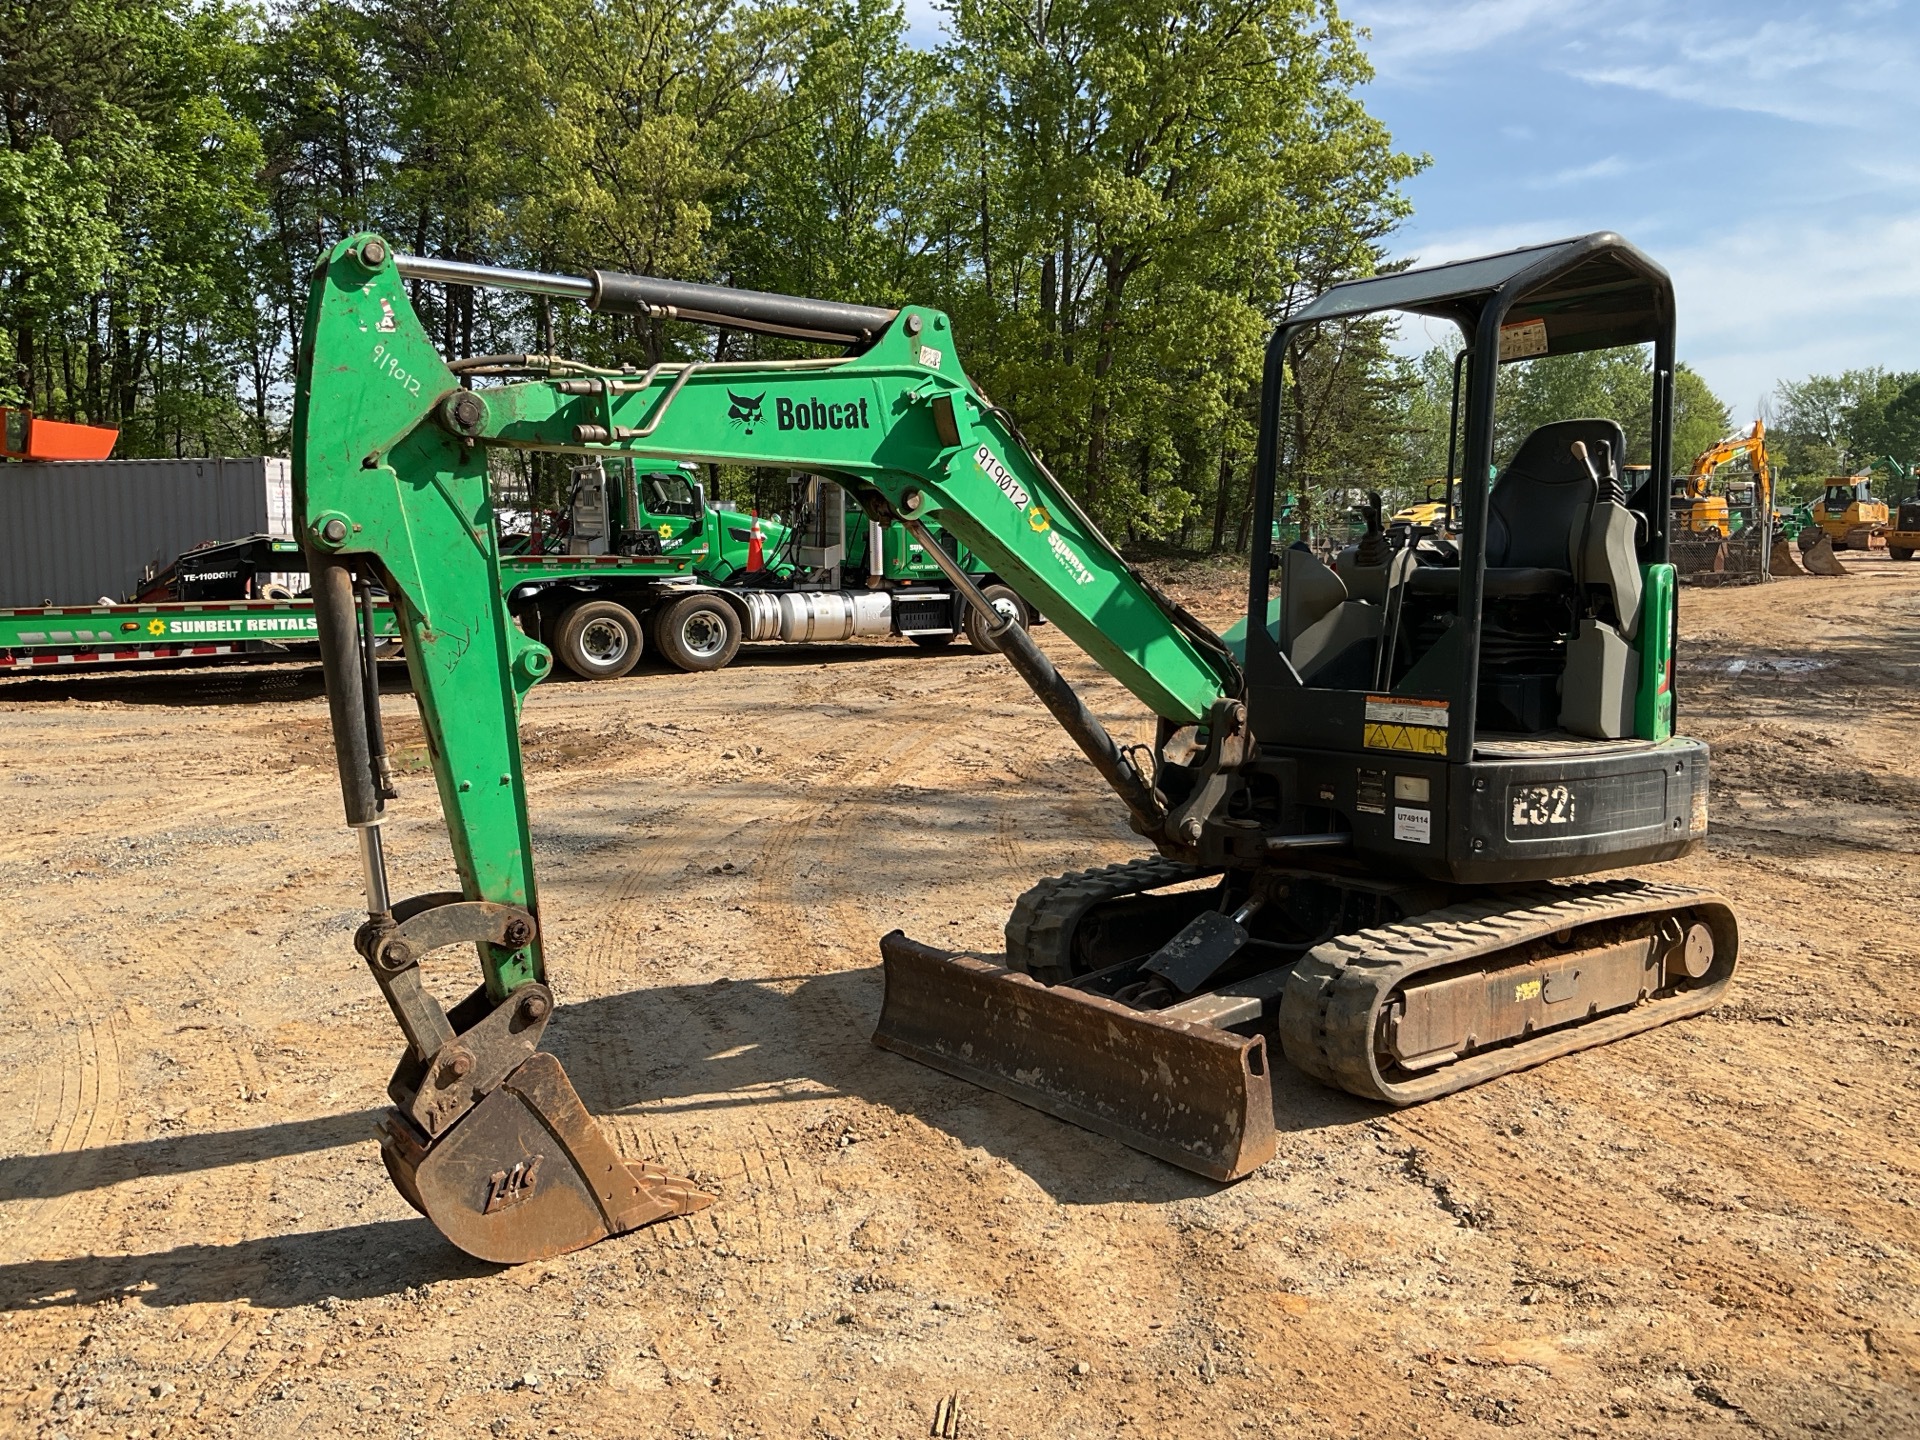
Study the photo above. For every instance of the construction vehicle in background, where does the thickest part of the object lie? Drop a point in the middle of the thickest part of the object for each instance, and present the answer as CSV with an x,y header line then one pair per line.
x,y
1722,525
1848,515
1696,507
685,581
649,559
1903,529
1429,517
1361,798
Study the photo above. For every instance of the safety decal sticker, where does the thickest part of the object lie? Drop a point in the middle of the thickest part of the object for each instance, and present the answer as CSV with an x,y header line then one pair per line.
x,y
1414,727
1523,340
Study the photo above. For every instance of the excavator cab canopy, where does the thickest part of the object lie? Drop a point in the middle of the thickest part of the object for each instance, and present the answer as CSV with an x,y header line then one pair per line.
x,y
1395,667
1594,292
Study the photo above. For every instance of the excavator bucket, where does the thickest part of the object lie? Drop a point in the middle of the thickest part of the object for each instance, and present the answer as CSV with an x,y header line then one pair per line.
x,y
1820,560
1188,1093
528,1174
1782,561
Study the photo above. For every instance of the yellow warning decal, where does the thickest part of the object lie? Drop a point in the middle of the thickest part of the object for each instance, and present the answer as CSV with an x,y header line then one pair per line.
x,y
1413,727
1411,739
1526,990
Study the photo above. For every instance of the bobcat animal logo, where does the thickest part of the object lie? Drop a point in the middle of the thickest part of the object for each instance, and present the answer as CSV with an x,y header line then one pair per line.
x,y
745,410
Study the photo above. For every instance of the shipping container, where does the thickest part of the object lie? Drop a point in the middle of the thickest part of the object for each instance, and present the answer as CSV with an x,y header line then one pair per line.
x,y
78,532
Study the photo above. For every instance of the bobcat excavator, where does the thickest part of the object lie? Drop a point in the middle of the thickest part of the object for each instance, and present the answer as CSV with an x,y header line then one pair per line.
x,y
1370,804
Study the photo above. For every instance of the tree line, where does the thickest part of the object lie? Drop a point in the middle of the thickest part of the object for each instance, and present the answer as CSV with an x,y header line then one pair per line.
x,y
1834,425
1116,200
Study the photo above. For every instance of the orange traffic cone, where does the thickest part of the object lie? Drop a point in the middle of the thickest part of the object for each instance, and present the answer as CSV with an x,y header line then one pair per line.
x,y
756,555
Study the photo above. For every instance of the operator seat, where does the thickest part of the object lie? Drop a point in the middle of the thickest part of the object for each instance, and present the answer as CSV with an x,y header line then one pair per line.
x,y
1541,499
1539,513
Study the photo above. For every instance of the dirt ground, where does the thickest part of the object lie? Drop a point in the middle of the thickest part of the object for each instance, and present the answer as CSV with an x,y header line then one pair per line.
x,y
1707,1229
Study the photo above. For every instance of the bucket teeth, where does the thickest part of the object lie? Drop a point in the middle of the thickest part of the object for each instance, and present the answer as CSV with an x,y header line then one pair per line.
x,y
528,1174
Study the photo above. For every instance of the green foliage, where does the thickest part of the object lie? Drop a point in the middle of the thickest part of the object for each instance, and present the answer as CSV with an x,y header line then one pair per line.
x,y
129,187
1605,384
1146,188
1836,424
1116,200
1608,385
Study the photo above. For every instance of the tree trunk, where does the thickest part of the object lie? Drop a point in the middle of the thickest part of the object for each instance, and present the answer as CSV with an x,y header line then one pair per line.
x,y
1223,489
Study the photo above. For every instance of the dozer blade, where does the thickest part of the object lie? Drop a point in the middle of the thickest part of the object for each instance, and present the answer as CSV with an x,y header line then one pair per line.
x,y
528,1174
1190,1094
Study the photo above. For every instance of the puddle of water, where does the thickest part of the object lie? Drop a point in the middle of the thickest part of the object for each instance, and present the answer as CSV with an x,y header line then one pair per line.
x,y
1755,665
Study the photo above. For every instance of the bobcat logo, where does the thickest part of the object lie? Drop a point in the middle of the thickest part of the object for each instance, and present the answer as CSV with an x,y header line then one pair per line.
x,y
745,410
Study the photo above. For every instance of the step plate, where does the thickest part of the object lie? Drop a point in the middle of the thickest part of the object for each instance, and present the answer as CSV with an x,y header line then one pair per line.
x,y
1187,1093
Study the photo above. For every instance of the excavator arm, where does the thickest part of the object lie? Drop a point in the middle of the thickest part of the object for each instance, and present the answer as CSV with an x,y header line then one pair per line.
x,y
391,443
1753,445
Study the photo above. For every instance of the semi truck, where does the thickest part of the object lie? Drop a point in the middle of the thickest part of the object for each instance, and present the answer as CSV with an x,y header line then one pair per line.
x,y
647,559
651,560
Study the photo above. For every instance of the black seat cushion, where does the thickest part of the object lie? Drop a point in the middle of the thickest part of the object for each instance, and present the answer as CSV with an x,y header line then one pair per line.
x,y
1545,493
1503,582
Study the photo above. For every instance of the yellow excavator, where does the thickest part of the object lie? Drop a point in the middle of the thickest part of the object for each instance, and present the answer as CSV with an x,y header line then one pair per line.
x,y
1697,510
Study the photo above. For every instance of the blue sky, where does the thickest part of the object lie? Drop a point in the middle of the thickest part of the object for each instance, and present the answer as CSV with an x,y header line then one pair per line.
x,y
1767,153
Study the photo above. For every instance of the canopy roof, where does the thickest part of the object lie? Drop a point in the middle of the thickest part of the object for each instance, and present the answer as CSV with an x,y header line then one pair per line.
x,y
1592,292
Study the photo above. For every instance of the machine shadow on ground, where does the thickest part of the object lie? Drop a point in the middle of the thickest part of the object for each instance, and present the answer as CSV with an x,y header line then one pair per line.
x,y
809,1044
353,1262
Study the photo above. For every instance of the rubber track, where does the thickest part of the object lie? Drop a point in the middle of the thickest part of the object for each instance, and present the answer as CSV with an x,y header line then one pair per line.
x,y
1329,1012
1040,930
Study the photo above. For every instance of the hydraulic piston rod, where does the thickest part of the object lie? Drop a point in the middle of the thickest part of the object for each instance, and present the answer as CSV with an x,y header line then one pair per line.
x,y
795,316
1116,768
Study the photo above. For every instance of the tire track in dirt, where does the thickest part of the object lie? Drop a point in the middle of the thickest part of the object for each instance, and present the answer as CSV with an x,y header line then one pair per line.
x,y
766,844
762,1228
85,1090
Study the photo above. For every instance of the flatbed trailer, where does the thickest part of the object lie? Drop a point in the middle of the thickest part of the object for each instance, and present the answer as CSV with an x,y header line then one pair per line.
x,y
48,637
540,591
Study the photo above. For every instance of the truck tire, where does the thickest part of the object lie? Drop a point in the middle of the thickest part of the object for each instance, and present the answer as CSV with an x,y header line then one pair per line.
x,y
598,639
699,632
1900,552
1007,603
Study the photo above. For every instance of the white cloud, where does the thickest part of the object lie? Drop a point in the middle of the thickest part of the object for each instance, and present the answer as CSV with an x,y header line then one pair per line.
x,y
1828,65
1779,298
1409,37
1818,73
1579,174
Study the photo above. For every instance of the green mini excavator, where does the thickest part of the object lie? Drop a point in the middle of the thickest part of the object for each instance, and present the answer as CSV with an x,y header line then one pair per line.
x,y
1371,803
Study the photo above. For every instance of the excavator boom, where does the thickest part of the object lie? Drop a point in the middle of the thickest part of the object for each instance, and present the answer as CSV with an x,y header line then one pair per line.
x,y
391,443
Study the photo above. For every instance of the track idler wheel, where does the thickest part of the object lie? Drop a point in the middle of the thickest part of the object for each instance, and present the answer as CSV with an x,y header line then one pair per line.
x,y
527,1173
